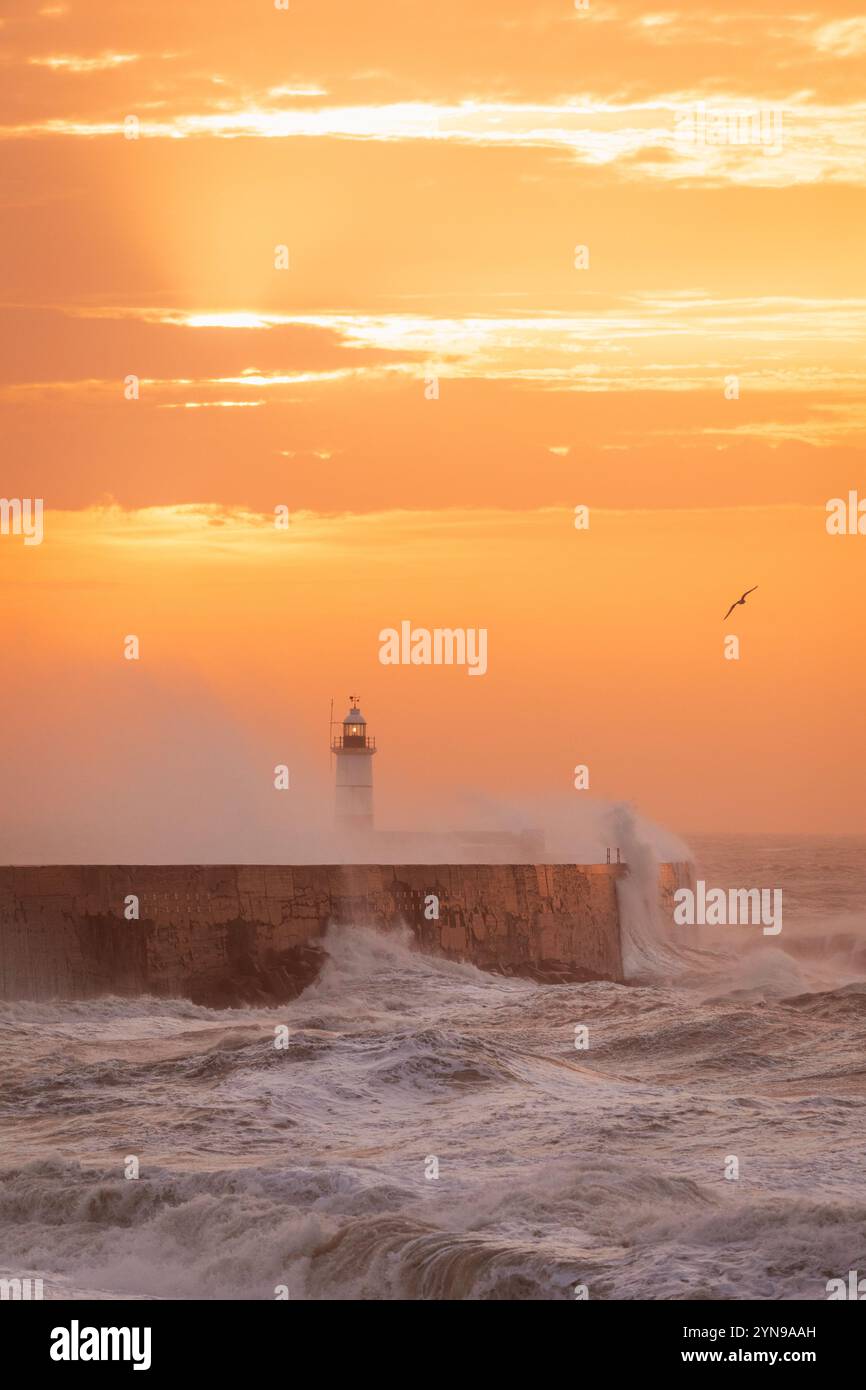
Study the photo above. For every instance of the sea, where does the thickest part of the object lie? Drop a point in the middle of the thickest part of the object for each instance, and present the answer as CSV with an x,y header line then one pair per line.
x,y
412,1128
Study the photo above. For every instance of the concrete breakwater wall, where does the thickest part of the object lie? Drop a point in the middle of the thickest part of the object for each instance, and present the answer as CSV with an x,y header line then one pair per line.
x,y
231,934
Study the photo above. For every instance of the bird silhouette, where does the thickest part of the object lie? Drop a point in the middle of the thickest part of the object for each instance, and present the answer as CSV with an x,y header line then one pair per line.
x,y
739,600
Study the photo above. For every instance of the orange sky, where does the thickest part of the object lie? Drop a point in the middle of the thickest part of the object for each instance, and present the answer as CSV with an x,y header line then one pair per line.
x,y
431,170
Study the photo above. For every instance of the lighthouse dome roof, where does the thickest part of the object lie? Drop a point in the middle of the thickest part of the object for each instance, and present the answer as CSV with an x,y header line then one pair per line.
x,y
354,717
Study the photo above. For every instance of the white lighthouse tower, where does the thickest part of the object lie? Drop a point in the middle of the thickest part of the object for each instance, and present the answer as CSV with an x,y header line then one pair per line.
x,y
354,751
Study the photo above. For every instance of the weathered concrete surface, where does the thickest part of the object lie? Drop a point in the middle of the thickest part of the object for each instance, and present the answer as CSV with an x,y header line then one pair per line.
x,y
230,934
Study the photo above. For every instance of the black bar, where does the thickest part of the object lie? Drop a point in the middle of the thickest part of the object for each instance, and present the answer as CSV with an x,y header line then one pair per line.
x,y
228,1338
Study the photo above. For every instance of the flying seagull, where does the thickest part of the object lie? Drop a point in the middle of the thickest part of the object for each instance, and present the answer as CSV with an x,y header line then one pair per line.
x,y
739,600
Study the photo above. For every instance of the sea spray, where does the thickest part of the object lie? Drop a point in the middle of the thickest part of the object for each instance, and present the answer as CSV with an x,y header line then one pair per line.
x,y
649,949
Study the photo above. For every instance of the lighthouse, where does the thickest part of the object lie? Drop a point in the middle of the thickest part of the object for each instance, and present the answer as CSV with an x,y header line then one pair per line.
x,y
354,750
